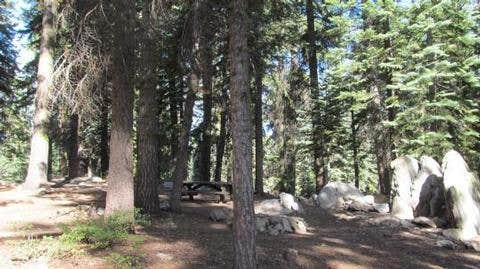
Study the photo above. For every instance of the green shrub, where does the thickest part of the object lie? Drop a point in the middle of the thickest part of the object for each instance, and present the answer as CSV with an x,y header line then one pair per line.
x,y
103,234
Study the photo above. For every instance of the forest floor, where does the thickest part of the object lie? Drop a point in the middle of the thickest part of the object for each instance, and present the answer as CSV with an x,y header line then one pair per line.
x,y
191,240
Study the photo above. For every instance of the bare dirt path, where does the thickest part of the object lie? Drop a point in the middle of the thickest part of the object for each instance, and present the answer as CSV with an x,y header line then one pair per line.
x,y
191,240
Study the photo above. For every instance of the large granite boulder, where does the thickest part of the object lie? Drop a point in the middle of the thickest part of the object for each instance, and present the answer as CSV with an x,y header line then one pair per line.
x,y
335,193
271,207
462,191
428,198
405,170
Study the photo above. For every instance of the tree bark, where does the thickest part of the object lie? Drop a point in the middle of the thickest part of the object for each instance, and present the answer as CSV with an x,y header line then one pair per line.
x,y
244,216
120,174
259,71
37,173
104,139
319,163
173,120
221,138
290,100
206,66
148,145
181,163
72,153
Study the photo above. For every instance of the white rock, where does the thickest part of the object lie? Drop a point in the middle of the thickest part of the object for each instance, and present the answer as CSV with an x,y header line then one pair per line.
x,y
271,207
288,201
428,196
382,208
331,193
462,195
405,170
97,180
369,199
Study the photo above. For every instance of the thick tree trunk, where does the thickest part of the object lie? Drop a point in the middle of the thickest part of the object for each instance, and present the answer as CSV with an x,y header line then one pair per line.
x,y
38,163
206,66
181,161
382,140
221,138
205,144
259,70
120,174
244,215
319,163
148,173
289,101
72,152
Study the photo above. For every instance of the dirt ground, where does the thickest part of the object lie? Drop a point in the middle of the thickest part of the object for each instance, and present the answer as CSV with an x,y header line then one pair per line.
x,y
191,240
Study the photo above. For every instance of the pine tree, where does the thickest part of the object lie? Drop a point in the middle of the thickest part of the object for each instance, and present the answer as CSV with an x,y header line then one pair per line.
x,y
39,147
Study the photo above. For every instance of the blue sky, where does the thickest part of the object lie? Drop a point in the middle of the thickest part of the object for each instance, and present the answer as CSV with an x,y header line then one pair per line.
x,y
24,53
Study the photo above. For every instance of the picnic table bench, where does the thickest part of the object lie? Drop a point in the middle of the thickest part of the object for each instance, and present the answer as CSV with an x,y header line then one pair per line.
x,y
222,189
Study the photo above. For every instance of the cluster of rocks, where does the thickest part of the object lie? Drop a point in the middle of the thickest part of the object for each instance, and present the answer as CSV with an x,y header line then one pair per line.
x,y
341,196
272,216
446,196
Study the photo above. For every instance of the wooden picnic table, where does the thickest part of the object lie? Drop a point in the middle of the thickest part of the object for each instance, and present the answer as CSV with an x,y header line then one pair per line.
x,y
222,189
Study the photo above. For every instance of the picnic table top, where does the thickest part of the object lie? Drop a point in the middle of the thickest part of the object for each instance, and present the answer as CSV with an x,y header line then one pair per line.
x,y
206,183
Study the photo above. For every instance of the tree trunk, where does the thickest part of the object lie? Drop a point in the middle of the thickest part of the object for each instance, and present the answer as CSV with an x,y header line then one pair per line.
x,y
290,100
104,139
221,138
120,175
148,143
72,153
259,70
244,216
173,121
205,144
50,160
319,162
356,166
205,55
181,164
37,173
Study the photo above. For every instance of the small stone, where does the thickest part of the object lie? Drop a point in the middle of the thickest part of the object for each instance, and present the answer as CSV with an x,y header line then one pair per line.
x,y
298,225
164,256
424,222
100,211
406,224
97,180
291,257
139,229
360,206
473,244
218,215
164,206
261,224
381,208
275,230
446,244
